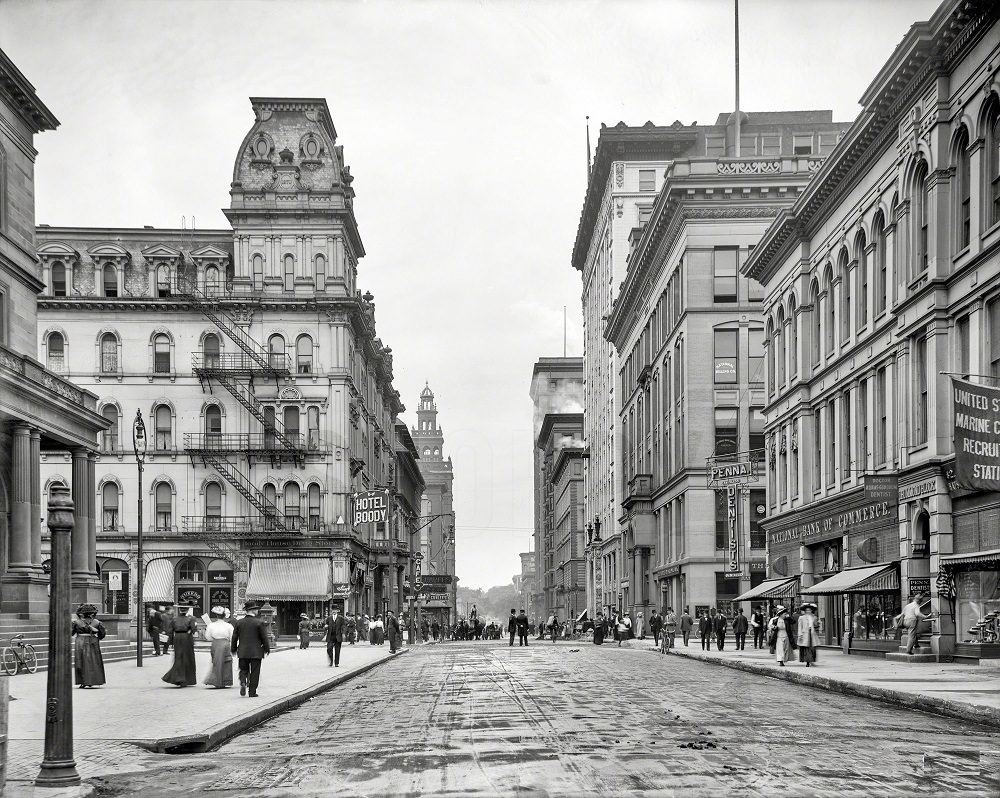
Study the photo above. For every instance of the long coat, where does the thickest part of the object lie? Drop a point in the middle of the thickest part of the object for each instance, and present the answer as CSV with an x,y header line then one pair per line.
x,y
250,639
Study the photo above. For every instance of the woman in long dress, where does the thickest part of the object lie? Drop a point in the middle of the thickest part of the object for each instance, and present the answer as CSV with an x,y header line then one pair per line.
x,y
183,672
599,629
379,631
219,632
88,667
808,636
304,631
785,636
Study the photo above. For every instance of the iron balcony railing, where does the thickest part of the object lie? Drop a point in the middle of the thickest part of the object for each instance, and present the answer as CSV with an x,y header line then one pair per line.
x,y
241,363
255,442
239,526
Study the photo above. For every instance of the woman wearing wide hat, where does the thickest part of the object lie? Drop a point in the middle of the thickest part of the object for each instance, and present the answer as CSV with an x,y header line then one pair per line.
x,y
808,635
781,635
88,666
304,631
219,632
183,672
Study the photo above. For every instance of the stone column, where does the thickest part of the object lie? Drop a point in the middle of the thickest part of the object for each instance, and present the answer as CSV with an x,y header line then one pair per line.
x,y
19,552
81,513
92,514
36,499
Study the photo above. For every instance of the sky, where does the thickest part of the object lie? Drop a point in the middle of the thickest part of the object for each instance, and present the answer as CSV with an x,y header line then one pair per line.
x,y
464,126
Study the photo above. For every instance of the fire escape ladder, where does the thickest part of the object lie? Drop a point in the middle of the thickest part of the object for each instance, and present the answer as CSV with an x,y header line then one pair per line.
x,y
236,478
209,306
282,438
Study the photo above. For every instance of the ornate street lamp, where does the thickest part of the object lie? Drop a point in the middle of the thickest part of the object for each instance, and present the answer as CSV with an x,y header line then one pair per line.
x,y
139,445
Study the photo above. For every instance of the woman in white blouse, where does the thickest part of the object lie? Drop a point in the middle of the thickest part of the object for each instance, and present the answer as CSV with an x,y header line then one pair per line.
x,y
219,632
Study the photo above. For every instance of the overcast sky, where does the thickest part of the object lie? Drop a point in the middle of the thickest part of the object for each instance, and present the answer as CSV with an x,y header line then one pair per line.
x,y
463,124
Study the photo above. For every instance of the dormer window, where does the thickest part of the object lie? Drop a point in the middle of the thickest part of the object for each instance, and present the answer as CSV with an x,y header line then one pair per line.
x,y
163,282
110,275
58,279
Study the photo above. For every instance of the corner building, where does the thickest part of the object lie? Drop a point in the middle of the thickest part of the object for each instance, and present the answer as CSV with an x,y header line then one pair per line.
x,y
689,333
252,358
881,281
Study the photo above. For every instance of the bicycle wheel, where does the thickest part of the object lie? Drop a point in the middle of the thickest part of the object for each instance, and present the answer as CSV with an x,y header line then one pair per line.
x,y
30,660
9,660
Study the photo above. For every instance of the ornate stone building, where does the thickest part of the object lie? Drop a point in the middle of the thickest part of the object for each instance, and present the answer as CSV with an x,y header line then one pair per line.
x,y
40,411
252,358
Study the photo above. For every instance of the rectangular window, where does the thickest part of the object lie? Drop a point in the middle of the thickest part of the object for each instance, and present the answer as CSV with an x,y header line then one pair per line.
x,y
726,356
748,145
817,458
770,145
831,443
715,146
757,430
994,313
846,449
920,391
802,144
863,426
164,515
793,467
881,417
758,512
964,343
827,143
725,270
647,180
755,357
721,521
110,519
644,213
727,429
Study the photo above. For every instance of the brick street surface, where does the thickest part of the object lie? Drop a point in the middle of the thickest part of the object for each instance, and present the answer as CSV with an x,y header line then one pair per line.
x,y
574,719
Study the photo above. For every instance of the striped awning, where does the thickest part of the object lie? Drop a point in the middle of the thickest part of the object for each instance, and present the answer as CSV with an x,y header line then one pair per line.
x,y
979,557
290,579
873,579
158,582
786,587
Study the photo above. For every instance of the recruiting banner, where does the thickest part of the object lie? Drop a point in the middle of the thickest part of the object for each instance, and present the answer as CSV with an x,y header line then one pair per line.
x,y
977,435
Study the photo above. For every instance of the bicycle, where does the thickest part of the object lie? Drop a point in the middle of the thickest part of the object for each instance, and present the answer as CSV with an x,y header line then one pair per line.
x,y
18,654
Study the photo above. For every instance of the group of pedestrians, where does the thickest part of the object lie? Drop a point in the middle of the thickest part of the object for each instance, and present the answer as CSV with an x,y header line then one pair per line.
x,y
519,626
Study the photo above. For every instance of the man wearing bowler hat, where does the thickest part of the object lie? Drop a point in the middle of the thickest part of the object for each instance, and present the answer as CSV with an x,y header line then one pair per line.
x,y
250,646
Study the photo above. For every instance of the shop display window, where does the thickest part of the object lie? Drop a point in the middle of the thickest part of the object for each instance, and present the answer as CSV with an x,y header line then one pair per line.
x,y
872,615
978,596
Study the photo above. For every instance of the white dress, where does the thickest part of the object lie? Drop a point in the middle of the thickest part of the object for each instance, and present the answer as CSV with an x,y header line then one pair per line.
x,y
220,634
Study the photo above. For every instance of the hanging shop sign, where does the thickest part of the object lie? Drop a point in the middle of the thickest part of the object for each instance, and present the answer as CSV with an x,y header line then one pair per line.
x,y
738,472
918,584
371,507
437,579
733,525
977,435
341,589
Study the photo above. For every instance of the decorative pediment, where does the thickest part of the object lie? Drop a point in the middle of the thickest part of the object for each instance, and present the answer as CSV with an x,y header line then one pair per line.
x,y
209,253
57,250
162,252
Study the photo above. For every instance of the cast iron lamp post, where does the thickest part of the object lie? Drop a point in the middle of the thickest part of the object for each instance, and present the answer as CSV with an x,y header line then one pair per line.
x,y
139,445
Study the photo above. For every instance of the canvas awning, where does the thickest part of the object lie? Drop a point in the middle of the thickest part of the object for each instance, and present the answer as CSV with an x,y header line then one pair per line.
x,y
783,588
158,582
984,557
581,617
872,579
290,579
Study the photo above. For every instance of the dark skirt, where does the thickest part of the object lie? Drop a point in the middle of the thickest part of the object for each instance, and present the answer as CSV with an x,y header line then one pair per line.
x,y
598,636
88,668
304,639
807,654
183,670
221,672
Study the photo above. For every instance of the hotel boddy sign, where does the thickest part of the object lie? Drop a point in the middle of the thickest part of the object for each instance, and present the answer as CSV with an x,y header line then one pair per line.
x,y
977,435
371,507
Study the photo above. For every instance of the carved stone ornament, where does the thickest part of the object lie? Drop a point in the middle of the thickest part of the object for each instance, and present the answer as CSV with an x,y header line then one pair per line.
x,y
784,443
619,207
619,174
748,167
795,442
290,393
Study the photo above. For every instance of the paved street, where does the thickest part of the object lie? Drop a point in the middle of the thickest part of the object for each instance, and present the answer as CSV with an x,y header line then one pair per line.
x,y
484,719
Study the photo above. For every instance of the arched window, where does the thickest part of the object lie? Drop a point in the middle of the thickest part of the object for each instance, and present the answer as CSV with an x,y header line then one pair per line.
x,y
191,570
270,506
964,174
993,162
831,311
817,326
163,281
109,506
110,274
293,511
210,351
862,274
161,354
56,353
110,412
213,425
289,272
312,421
115,576
109,354
881,264
304,355
780,354
921,220
257,264
212,280
276,349
162,423
846,317
793,339
320,273
314,507
213,506
58,279
290,419
163,497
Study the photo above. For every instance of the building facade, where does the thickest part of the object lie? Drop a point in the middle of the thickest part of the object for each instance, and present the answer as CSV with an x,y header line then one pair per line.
x,y
437,533
251,357
40,411
689,333
556,391
882,282
527,587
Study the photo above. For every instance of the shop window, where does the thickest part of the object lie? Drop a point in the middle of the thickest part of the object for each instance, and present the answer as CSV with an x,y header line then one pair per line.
x,y
110,278
110,439
109,505
873,614
726,589
191,570
725,274
977,596
116,580
726,356
164,507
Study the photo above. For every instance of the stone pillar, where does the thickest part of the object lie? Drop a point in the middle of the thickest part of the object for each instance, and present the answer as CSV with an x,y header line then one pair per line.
x,y
92,515
81,502
36,498
19,551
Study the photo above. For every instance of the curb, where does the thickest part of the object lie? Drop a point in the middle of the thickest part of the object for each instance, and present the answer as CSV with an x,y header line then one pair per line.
x,y
216,735
986,716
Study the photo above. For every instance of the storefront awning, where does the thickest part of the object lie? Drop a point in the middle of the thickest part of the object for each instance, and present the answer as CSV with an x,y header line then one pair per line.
x,y
158,582
581,617
984,557
786,587
874,578
290,579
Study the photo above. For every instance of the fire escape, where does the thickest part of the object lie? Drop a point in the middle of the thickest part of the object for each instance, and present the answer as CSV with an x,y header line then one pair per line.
x,y
236,373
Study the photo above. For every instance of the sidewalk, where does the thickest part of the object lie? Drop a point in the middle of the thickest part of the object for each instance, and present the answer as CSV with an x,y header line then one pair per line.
x,y
136,708
968,692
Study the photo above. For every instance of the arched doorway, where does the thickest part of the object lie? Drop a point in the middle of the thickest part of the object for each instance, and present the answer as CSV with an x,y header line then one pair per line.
x,y
116,581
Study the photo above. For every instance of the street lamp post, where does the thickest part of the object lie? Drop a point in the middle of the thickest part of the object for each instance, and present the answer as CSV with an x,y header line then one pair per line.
x,y
139,445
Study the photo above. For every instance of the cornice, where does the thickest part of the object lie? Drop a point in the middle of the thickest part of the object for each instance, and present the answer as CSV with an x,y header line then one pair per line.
x,y
23,97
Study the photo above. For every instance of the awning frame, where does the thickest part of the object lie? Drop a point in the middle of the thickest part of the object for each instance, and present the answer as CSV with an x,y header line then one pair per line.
x,y
280,593
973,558
873,572
777,590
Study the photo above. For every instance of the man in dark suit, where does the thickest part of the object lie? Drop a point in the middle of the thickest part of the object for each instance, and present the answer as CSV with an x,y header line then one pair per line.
x,y
512,626
167,628
392,629
153,625
334,636
720,626
706,625
250,646
522,629
740,626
